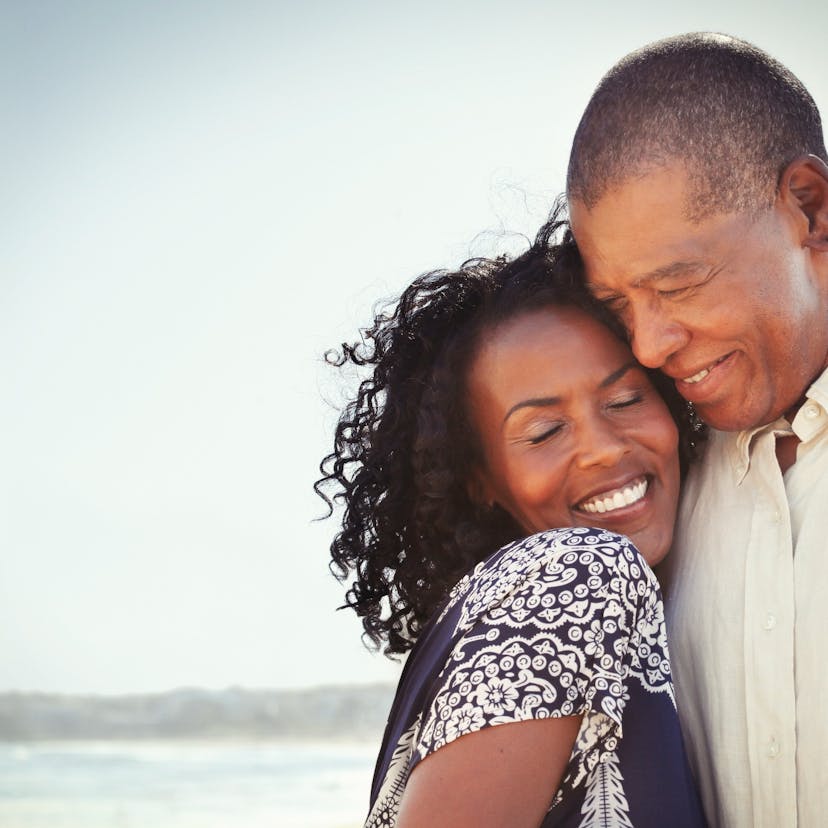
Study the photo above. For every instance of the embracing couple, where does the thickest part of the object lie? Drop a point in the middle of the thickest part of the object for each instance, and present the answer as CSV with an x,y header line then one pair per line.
x,y
645,387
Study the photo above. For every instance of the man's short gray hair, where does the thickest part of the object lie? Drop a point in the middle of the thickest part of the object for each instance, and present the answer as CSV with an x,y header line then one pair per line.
x,y
727,111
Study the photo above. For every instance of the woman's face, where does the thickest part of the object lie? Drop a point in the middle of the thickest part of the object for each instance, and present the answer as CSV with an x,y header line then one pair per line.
x,y
572,431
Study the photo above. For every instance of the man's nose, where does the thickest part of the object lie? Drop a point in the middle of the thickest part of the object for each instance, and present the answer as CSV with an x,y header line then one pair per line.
x,y
654,334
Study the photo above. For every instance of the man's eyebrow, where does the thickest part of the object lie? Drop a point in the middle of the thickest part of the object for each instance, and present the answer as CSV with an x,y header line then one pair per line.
x,y
542,402
669,271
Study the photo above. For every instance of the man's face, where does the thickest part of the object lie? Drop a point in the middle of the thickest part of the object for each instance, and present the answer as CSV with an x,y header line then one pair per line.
x,y
732,307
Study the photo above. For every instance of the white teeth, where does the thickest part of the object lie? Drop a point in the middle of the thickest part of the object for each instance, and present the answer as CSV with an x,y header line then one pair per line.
x,y
704,372
609,502
697,377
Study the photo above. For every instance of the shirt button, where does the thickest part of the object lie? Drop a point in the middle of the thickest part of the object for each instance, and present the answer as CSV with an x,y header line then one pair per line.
x,y
770,621
777,516
773,749
811,411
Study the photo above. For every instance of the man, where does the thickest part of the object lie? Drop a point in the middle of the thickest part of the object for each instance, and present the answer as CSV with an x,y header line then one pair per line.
x,y
698,191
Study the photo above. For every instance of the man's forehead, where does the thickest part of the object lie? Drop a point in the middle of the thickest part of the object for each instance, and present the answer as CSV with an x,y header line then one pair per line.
x,y
642,229
666,184
673,175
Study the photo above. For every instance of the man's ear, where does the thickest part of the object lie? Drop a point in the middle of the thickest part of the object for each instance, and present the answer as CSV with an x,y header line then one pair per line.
x,y
805,182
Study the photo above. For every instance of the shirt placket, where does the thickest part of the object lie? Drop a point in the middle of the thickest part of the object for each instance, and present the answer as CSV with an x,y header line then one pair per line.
x,y
805,487
770,691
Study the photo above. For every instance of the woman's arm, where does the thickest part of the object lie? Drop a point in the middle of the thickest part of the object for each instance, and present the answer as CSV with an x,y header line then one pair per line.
x,y
503,776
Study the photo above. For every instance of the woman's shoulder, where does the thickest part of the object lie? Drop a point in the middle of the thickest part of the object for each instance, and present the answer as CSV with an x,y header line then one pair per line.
x,y
578,562
551,625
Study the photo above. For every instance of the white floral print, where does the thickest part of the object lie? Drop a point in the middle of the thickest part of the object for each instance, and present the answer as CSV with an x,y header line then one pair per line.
x,y
553,625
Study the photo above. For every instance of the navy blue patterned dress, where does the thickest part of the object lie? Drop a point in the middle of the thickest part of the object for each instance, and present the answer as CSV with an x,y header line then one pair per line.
x,y
565,622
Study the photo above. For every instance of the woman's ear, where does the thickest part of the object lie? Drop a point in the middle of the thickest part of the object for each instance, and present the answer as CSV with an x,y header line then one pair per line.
x,y
479,490
804,185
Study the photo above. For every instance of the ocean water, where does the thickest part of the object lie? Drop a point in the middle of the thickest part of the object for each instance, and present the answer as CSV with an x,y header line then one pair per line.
x,y
184,785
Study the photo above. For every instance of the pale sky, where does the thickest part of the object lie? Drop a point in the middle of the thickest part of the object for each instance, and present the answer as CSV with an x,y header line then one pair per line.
x,y
199,198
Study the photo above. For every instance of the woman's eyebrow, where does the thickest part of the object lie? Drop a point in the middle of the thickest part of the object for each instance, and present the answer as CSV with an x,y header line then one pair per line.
x,y
535,402
540,402
616,375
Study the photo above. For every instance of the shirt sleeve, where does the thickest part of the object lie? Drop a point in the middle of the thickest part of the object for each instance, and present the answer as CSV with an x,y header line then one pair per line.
x,y
544,629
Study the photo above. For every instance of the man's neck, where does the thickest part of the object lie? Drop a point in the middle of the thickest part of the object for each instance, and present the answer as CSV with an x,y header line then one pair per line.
x,y
794,409
786,451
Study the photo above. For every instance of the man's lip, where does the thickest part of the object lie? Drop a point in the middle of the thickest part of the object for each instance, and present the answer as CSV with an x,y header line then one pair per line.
x,y
609,486
711,386
681,377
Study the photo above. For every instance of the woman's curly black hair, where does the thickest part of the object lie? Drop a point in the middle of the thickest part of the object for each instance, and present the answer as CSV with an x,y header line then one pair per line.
x,y
404,447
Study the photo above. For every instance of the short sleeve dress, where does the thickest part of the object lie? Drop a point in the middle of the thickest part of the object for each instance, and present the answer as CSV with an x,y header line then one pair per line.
x,y
565,622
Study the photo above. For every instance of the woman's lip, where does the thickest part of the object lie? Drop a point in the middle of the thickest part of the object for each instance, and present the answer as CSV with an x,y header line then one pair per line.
x,y
619,518
609,487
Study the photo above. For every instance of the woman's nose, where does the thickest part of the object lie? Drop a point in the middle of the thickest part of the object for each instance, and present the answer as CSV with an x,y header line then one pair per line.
x,y
600,443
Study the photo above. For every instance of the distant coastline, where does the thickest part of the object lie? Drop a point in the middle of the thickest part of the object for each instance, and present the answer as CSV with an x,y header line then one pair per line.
x,y
334,713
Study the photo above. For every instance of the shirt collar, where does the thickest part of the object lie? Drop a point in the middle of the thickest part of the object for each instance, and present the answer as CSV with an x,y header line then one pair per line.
x,y
811,418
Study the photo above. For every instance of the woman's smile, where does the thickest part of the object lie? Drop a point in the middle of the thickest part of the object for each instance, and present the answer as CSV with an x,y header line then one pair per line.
x,y
615,499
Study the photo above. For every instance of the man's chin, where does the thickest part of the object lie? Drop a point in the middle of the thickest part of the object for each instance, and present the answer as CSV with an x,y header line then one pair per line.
x,y
725,417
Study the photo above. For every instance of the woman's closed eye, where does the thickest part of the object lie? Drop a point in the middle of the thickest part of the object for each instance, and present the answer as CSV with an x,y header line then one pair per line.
x,y
627,402
543,434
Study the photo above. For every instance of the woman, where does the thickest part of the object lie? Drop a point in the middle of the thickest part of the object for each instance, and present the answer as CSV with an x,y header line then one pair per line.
x,y
501,405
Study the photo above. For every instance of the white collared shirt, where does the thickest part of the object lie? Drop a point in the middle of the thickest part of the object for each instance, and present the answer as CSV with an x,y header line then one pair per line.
x,y
747,612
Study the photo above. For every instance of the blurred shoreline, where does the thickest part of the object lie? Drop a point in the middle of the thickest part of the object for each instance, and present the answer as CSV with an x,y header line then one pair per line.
x,y
343,713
